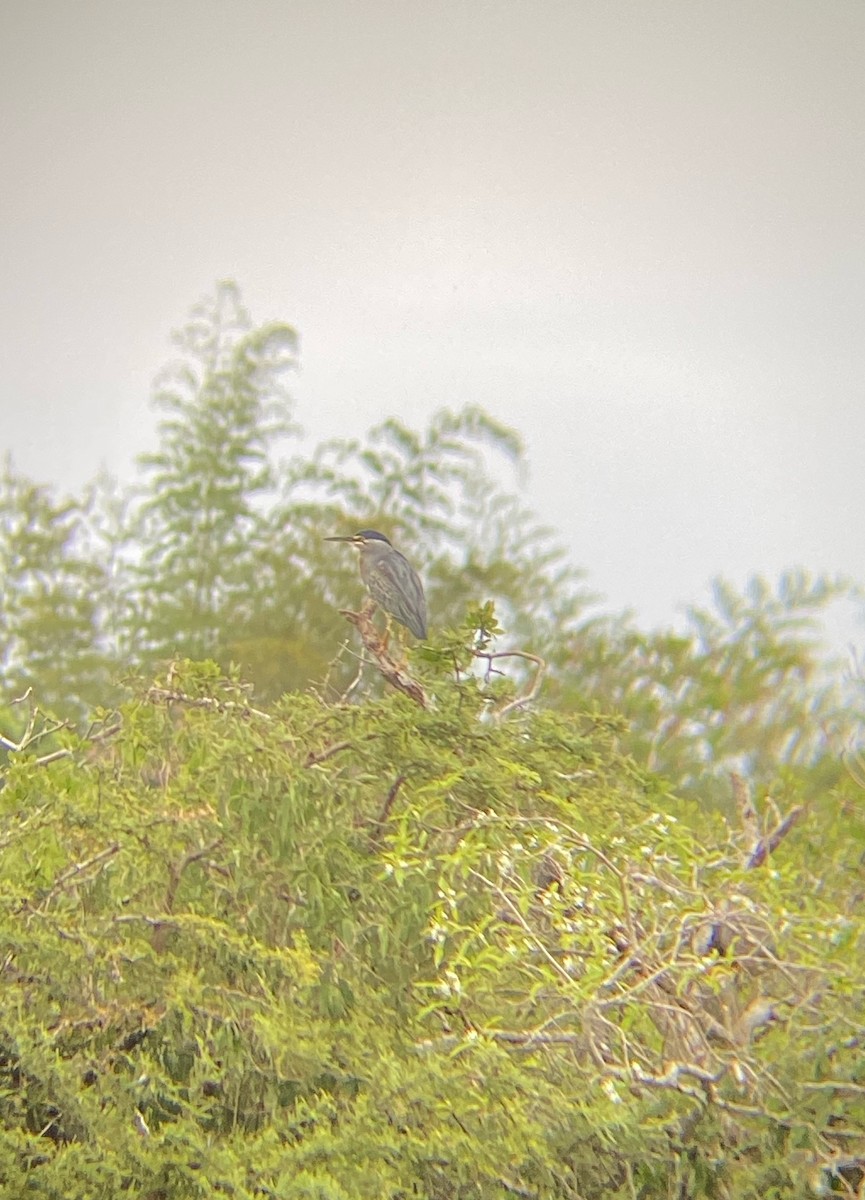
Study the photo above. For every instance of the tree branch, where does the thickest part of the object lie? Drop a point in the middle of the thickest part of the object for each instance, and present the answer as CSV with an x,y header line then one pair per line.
x,y
532,691
389,668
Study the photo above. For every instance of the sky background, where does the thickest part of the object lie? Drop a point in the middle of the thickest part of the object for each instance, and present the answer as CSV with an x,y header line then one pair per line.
x,y
634,231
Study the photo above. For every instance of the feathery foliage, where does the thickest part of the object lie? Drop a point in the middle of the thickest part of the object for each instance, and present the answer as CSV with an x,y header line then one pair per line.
x,y
50,634
377,951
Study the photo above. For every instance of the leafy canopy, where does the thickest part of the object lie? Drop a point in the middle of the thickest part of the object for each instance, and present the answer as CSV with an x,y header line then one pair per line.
x,y
375,950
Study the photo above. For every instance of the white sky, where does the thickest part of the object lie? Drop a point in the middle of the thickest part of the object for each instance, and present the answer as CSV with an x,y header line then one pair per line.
x,y
635,231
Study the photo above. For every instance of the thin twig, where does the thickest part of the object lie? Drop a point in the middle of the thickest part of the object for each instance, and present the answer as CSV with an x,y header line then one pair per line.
x,y
531,694
79,868
314,757
520,920
167,696
176,871
379,823
319,756
747,811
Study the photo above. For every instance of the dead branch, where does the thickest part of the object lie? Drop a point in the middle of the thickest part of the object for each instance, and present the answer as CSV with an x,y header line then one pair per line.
x,y
531,692
389,668
31,734
522,1039
319,756
155,923
67,752
354,684
760,845
314,757
770,842
379,822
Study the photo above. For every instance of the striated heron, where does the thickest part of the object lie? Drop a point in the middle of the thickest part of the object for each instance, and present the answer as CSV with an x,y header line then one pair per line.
x,y
390,579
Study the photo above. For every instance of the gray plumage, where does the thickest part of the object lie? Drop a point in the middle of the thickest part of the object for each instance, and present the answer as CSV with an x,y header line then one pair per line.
x,y
390,579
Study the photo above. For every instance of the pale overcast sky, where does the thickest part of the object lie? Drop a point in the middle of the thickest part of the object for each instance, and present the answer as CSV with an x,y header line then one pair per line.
x,y
635,231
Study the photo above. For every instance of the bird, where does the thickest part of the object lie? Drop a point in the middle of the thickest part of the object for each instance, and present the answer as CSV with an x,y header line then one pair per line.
x,y
390,579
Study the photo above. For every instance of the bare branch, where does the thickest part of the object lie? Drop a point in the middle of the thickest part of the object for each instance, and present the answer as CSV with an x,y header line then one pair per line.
x,y
319,756
531,693
379,823
389,668
771,841
31,734
314,757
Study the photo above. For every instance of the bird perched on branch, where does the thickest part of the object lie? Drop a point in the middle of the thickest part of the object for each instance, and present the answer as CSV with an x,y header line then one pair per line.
x,y
390,579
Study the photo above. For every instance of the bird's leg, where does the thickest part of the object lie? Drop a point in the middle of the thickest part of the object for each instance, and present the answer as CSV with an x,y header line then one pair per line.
x,y
386,637
402,661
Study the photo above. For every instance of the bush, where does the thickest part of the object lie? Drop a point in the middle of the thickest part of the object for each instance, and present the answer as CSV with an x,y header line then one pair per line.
x,y
385,951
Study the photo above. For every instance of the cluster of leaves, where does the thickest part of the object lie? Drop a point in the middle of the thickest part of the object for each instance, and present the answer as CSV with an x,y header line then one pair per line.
x,y
383,951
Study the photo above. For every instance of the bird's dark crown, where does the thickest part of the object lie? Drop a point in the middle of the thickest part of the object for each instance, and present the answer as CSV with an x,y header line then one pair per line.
x,y
371,535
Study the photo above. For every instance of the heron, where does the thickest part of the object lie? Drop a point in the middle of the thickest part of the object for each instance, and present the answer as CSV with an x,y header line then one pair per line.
x,y
390,579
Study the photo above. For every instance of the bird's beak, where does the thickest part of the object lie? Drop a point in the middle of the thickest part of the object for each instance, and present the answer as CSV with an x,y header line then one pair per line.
x,y
339,539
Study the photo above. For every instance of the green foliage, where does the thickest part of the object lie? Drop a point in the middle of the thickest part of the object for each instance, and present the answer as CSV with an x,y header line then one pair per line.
x,y
374,950
49,615
226,409
744,687
328,949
